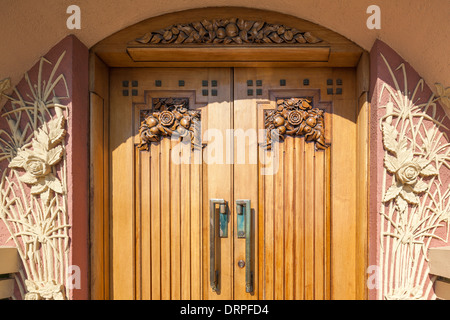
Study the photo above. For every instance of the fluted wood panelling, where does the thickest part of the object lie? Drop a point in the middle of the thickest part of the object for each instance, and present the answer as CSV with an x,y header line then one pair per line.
x,y
294,238
168,225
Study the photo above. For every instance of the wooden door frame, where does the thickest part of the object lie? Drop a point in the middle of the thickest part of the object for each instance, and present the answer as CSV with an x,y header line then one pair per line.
x,y
114,52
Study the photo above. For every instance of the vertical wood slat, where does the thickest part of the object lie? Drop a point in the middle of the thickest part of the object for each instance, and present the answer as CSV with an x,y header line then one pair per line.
x,y
319,235
205,234
289,178
139,174
279,213
261,229
165,220
299,237
196,229
146,190
156,221
327,293
269,260
175,237
309,221
185,230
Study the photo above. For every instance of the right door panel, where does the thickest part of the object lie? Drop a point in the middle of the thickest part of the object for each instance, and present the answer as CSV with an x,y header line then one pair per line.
x,y
292,197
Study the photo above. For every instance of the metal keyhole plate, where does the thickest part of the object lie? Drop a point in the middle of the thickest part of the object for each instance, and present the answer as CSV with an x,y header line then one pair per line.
x,y
241,264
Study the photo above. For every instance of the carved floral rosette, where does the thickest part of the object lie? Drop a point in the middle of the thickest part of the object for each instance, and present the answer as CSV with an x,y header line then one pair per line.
x,y
295,117
231,31
170,117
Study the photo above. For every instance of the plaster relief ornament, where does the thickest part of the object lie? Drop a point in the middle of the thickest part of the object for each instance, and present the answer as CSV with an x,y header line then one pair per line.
x,y
44,290
40,159
408,170
415,204
33,197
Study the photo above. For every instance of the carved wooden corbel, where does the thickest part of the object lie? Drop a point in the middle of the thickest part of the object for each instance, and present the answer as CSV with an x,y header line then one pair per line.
x,y
168,117
295,117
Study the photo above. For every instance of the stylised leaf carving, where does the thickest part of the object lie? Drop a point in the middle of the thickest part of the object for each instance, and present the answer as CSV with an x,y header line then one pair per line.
x,y
391,163
53,183
420,187
429,170
28,178
390,137
392,192
54,155
409,196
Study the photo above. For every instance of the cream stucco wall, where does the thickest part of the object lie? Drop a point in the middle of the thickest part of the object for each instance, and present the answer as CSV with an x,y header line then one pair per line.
x,y
416,29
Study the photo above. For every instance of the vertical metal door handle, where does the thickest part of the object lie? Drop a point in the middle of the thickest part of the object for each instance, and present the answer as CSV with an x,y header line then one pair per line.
x,y
213,273
244,230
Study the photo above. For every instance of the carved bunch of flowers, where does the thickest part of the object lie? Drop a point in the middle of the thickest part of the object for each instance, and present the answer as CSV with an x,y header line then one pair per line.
x,y
410,169
296,117
169,117
228,31
39,160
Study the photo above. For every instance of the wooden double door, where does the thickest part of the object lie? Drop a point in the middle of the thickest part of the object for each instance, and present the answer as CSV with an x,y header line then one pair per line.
x,y
222,179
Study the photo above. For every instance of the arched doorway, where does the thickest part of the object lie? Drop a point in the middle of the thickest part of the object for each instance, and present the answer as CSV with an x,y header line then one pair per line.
x,y
167,230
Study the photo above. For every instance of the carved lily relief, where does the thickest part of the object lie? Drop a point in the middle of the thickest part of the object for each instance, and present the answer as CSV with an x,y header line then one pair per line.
x,y
33,198
416,204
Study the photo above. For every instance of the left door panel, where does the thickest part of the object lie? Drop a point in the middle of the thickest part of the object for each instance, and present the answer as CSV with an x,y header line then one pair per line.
x,y
160,187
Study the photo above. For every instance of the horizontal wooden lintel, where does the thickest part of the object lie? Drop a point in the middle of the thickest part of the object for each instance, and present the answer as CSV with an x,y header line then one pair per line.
x,y
231,53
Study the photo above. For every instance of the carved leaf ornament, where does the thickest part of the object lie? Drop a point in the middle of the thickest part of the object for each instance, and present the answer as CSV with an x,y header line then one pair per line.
x,y
231,31
170,117
295,117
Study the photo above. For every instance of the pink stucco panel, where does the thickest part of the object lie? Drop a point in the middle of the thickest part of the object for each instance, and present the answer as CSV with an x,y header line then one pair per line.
x,y
379,76
74,67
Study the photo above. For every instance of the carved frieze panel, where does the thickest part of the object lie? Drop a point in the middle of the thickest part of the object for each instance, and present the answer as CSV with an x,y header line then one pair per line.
x,y
169,117
295,117
233,31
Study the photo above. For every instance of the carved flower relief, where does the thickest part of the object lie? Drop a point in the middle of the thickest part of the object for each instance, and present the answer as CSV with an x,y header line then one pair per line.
x,y
38,161
228,31
407,170
172,118
296,117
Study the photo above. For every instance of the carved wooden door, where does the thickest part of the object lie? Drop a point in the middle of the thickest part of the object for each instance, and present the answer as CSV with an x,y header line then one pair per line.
x,y
205,204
